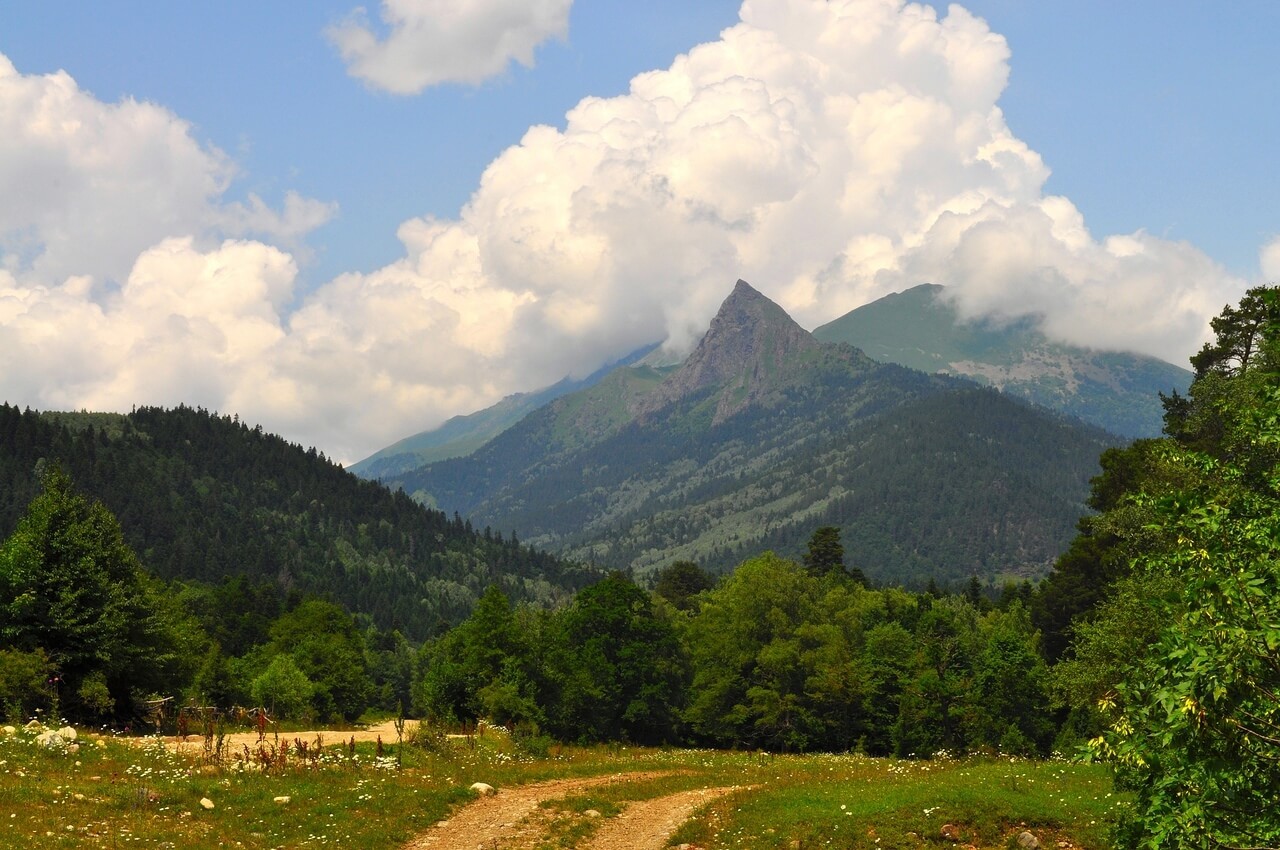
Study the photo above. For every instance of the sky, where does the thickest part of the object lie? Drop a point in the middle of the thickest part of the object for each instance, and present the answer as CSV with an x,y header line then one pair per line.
x,y
348,224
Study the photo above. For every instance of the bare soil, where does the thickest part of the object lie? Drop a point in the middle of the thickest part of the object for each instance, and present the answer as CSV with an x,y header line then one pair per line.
x,y
647,824
512,820
236,741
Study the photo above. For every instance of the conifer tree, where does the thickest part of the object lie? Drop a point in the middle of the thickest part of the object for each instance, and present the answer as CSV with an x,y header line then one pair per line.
x,y
72,588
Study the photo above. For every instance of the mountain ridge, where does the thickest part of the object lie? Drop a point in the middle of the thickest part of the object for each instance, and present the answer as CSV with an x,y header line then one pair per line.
x,y
463,434
920,328
916,328
764,435
748,336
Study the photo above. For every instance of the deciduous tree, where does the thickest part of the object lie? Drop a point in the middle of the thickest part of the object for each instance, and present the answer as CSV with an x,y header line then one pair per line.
x,y
1196,722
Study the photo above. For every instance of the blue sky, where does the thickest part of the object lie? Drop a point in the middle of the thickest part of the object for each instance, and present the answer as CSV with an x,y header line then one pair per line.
x,y
367,298
260,81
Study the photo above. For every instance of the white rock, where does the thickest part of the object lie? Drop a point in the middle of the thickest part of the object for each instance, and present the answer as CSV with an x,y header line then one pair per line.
x,y
483,789
206,802
283,799
10,730
68,733
50,740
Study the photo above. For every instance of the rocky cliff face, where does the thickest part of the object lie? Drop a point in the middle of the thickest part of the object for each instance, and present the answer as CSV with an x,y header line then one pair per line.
x,y
739,358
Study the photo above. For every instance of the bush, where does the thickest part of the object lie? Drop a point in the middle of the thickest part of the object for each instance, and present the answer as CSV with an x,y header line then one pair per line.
x,y
95,696
284,689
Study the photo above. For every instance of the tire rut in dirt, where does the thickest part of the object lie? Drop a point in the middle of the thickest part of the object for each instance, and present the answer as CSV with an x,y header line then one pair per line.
x,y
500,821
647,824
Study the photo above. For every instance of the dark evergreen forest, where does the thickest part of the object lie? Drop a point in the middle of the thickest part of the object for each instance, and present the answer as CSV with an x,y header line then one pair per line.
x,y
204,497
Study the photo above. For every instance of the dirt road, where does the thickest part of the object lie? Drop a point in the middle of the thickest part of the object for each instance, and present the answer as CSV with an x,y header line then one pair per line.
x,y
647,824
509,819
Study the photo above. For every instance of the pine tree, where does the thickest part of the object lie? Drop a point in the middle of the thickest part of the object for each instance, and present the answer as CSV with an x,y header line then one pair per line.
x,y
826,554
72,588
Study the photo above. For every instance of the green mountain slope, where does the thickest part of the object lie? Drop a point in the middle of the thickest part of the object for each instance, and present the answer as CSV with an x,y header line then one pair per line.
x,y
204,497
764,434
462,435
919,328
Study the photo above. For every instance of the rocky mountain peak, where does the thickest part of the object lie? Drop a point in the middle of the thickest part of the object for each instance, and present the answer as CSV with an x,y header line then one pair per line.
x,y
748,341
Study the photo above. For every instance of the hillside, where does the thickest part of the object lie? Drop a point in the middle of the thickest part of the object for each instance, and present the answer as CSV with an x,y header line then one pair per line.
x,y
764,434
462,435
920,328
204,497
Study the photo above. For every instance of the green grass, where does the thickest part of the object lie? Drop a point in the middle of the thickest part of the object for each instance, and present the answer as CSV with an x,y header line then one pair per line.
x,y
112,793
849,801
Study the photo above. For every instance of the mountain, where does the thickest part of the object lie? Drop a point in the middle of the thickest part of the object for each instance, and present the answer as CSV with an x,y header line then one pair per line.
x,y
920,328
205,497
461,435
738,358
765,433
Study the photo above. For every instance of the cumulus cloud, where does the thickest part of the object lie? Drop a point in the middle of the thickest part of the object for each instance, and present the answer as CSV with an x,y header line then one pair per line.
x,y
89,185
186,326
1270,260
438,41
828,152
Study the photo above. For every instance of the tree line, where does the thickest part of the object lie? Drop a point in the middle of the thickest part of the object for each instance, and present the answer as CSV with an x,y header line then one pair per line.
x,y
779,655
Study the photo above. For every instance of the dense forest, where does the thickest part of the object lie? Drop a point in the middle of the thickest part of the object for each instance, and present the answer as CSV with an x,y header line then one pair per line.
x,y
779,655
203,497
1154,644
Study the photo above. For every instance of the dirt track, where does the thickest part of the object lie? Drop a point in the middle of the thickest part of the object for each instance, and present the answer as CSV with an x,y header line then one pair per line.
x,y
647,824
511,819
508,820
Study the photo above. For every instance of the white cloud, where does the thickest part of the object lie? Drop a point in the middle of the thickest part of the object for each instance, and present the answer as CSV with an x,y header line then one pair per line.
x,y
186,326
1269,259
828,152
438,41
90,185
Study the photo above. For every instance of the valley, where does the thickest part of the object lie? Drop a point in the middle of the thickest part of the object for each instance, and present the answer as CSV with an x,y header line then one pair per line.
x,y
180,569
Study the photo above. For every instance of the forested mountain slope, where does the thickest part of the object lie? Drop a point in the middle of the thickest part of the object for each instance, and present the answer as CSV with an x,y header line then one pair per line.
x,y
461,435
764,434
202,497
920,328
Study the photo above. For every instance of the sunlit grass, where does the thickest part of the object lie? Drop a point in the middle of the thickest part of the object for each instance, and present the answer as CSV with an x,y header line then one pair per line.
x,y
850,801
107,792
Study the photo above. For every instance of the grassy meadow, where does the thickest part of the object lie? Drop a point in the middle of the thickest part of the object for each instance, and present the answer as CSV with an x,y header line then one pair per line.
x,y
105,791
